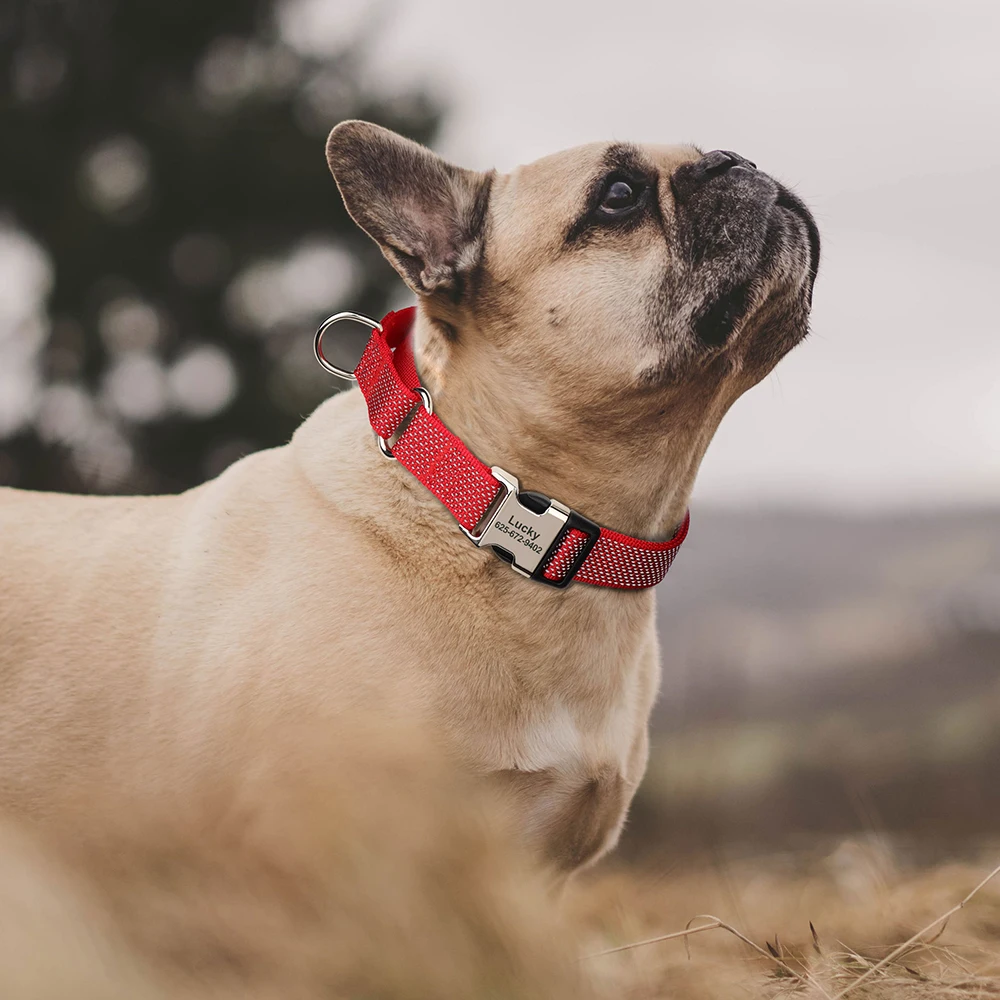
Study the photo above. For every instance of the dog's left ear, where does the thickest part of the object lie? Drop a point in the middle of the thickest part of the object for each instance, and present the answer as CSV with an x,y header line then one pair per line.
x,y
426,214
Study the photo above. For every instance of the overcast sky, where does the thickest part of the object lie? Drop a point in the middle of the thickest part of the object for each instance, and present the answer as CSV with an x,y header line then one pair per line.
x,y
884,116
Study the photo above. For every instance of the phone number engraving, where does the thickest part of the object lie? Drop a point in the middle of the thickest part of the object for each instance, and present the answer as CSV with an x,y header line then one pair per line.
x,y
518,537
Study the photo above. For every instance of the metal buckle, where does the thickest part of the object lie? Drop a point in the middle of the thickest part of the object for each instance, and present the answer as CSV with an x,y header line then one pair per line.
x,y
523,529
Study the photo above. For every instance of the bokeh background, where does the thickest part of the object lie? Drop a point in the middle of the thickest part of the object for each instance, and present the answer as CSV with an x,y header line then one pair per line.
x,y
170,236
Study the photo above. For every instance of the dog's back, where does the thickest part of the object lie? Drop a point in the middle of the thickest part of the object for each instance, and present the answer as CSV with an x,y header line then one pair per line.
x,y
68,598
142,638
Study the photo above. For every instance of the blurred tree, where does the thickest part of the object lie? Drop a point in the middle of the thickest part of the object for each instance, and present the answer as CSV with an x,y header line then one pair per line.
x,y
168,156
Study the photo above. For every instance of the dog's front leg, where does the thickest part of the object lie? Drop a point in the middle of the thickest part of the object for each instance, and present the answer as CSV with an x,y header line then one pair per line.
x,y
570,819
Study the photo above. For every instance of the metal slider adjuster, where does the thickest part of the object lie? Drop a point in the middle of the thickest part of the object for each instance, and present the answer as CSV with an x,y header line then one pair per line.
x,y
524,529
425,396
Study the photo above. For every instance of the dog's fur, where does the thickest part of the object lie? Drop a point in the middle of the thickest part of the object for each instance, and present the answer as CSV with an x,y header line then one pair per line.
x,y
389,876
145,642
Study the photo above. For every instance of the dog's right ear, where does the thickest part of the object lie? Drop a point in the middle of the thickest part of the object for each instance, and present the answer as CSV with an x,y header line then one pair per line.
x,y
426,214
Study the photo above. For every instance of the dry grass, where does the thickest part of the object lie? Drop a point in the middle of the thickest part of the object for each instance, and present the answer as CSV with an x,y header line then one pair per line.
x,y
853,927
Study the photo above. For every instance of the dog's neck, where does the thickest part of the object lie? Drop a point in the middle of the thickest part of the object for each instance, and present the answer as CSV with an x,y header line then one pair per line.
x,y
628,464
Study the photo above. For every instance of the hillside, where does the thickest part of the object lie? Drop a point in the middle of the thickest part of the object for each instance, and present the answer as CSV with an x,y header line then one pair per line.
x,y
828,675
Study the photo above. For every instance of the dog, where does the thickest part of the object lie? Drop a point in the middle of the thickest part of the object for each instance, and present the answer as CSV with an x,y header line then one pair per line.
x,y
584,321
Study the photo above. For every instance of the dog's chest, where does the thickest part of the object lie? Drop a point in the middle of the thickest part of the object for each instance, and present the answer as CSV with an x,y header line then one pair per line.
x,y
554,737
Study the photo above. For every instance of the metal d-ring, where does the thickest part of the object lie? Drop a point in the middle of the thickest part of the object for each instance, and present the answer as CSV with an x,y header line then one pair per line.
x,y
318,341
383,443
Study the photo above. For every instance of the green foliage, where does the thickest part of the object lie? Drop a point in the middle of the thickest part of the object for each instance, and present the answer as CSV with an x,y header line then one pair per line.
x,y
168,157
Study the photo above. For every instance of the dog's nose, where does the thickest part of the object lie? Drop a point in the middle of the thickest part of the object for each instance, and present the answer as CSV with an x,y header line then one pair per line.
x,y
714,164
719,161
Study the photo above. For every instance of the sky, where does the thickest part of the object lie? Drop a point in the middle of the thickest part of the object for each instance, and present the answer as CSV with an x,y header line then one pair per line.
x,y
883,116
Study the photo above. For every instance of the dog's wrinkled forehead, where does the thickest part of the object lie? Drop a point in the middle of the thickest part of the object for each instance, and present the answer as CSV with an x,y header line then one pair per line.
x,y
545,203
565,177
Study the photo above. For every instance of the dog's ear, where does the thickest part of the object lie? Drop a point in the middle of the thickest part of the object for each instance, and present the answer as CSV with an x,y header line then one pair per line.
x,y
426,214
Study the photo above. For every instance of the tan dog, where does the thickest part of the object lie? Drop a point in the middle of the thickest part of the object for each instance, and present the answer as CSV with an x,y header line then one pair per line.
x,y
585,322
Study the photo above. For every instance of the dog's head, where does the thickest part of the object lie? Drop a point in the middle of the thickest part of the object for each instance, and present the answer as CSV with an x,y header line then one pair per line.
x,y
639,289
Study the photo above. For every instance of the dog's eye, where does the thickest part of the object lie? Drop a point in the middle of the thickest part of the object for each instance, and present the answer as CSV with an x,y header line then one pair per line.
x,y
619,196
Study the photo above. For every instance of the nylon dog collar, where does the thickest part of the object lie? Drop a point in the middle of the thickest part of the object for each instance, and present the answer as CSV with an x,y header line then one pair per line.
x,y
539,537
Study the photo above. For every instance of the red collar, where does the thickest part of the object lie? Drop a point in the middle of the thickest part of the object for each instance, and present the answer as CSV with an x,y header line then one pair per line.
x,y
540,537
